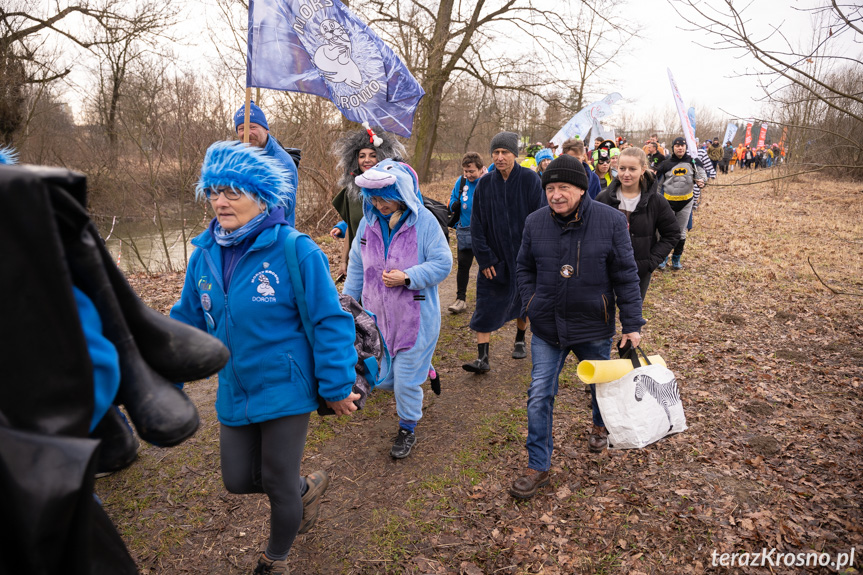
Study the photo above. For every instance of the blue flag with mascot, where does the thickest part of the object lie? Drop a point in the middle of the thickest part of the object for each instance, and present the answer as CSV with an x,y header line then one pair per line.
x,y
320,47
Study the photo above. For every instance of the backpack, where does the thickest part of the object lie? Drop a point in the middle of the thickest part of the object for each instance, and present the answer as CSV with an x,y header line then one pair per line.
x,y
295,153
439,211
455,214
371,348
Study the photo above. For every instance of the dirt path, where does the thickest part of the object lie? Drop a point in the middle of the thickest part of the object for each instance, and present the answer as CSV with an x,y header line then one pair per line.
x,y
770,371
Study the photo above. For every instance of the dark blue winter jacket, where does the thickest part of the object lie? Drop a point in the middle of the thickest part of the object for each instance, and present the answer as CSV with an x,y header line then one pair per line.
x,y
572,273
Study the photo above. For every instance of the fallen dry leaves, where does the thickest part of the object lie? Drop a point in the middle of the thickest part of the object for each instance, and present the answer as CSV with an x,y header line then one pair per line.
x,y
770,367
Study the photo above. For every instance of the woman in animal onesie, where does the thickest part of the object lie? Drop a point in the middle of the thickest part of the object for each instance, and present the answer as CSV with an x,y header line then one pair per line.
x,y
357,152
394,270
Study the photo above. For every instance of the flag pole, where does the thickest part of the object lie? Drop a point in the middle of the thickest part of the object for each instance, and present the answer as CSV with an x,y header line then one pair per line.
x,y
246,115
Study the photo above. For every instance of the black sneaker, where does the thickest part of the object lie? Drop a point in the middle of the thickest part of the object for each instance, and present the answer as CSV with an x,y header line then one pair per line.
x,y
405,440
519,351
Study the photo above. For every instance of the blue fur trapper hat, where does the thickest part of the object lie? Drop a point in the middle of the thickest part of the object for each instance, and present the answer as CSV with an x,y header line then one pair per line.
x,y
256,116
244,168
8,157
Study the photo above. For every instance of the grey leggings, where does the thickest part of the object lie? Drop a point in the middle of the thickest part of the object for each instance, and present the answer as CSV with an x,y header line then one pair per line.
x,y
265,458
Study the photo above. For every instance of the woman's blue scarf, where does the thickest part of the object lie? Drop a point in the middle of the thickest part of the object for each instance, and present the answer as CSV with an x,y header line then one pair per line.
x,y
226,239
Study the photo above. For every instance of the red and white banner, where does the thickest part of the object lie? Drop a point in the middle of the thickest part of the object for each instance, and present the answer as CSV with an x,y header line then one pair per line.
x,y
747,141
763,135
688,128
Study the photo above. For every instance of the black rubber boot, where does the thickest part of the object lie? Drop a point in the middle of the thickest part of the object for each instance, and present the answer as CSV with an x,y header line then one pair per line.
x,y
480,364
119,448
161,413
177,351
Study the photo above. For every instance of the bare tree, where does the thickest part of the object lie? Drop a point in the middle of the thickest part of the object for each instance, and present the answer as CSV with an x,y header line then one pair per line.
x,y
25,58
812,89
439,42
120,39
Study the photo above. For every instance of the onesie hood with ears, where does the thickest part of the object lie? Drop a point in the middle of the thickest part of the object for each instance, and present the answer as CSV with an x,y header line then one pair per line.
x,y
390,180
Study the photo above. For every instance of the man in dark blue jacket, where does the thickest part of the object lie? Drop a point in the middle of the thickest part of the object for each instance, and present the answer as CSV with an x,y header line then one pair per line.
x,y
575,264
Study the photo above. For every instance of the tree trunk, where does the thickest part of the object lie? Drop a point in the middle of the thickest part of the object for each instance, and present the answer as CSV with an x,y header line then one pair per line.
x,y
433,84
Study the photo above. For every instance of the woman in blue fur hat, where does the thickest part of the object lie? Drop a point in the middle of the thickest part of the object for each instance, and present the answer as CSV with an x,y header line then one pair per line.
x,y
238,289
394,270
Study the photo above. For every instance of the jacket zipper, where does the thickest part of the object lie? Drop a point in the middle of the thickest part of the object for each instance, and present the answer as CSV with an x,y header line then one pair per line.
x,y
230,320
578,260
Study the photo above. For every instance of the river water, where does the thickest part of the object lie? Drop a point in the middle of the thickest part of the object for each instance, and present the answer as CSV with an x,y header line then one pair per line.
x,y
139,246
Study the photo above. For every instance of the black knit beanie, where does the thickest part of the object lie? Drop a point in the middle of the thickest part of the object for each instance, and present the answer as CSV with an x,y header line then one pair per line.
x,y
567,169
505,140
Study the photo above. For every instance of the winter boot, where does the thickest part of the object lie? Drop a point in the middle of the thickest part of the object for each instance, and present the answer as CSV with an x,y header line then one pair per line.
x,y
161,413
663,264
675,263
177,351
119,448
480,364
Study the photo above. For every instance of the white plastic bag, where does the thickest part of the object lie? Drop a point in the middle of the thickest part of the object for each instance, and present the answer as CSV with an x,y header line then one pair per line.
x,y
641,407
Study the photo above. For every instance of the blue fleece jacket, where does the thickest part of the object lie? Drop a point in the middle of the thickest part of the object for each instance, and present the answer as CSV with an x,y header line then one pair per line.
x,y
463,195
272,369
275,149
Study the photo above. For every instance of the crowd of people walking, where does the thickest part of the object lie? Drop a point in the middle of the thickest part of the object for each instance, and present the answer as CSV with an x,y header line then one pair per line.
x,y
564,240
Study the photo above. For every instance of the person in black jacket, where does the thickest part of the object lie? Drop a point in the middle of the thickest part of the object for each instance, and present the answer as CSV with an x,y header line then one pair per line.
x,y
575,264
653,227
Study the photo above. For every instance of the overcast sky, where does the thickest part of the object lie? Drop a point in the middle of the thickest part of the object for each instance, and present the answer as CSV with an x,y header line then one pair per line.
x,y
706,76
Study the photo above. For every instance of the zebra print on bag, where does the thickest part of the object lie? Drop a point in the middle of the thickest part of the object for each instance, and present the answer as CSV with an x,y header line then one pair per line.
x,y
666,393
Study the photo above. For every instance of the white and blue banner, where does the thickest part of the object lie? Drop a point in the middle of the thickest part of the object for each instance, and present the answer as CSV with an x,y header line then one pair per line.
x,y
691,114
688,128
730,132
586,119
320,47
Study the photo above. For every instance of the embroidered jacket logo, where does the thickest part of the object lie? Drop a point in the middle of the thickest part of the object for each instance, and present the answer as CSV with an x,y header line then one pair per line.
x,y
265,281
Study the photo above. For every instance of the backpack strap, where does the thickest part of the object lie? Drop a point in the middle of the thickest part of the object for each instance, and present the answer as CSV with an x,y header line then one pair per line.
x,y
297,282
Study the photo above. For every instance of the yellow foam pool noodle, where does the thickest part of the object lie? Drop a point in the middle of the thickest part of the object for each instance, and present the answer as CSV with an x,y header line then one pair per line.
x,y
605,370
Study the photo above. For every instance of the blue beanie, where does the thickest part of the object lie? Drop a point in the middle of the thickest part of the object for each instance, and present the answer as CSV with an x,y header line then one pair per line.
x,y
543,154
256,116
245,168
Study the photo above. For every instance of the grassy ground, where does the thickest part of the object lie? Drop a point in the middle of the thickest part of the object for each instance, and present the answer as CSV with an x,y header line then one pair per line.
x,y
770,369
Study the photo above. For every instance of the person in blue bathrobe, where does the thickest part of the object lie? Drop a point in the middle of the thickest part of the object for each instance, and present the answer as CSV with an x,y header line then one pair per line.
x,y
502,201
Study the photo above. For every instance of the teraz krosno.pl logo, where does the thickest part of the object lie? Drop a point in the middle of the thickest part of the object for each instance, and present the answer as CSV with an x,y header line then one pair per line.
x,y
773,558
